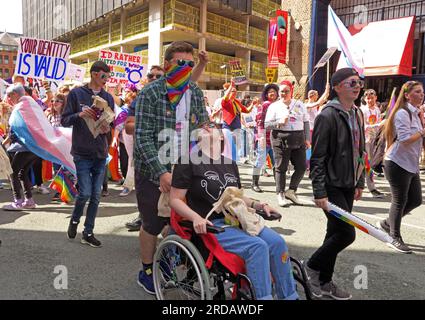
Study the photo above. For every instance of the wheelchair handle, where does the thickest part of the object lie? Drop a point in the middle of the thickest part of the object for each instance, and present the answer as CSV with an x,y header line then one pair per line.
x,y
274,216
210,229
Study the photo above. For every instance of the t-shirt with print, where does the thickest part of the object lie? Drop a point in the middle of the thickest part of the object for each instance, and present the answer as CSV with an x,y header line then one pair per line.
x,y
372,118
206,183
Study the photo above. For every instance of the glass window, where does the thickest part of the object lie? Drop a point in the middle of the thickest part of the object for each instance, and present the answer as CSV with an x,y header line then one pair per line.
x,y
1,72
6,59
14,59
1,59
6,73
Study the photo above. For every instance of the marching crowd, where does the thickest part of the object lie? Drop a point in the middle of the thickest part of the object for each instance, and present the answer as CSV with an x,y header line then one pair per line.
x,y
341,146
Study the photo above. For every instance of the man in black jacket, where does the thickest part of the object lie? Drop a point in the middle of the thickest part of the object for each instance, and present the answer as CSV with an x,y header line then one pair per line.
x,y
337,173
89,153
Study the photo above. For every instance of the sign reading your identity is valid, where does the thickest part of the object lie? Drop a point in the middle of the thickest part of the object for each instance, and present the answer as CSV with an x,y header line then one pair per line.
x,y
42,59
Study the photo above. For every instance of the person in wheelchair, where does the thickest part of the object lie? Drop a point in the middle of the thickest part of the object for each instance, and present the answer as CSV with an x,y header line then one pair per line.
x,y
197,185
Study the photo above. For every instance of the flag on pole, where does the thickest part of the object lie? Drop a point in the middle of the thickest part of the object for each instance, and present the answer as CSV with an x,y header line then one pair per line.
x,y
30,124
391,104
340,37
63,184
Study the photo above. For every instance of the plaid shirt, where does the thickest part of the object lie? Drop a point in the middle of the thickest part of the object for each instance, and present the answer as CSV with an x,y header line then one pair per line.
x,y
153,115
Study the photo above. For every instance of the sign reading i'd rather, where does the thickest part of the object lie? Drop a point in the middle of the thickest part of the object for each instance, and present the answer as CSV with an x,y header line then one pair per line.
x,y
124,67
42,59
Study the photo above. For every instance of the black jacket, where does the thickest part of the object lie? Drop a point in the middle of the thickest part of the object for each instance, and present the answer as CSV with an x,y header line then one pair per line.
x,y
332,162
84,145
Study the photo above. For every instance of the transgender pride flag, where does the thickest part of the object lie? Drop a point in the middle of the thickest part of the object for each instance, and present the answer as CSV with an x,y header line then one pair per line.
x,y
30,124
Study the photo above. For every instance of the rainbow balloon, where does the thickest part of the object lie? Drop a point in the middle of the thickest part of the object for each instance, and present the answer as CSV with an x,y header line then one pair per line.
x,y
358,223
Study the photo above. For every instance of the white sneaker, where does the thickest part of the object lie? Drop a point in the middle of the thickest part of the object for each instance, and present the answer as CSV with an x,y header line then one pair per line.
x,y
43,190
125,192
281,200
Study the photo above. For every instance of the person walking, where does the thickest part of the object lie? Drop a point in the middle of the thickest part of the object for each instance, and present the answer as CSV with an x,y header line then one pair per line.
x,y
175,104
288,119
337,174
89,153
404,133
372,120
269,96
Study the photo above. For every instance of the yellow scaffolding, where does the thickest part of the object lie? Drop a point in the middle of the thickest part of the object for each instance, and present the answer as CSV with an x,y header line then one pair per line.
x,y
137,24
257,37
258,71
181,14
226,28
263,7
116,32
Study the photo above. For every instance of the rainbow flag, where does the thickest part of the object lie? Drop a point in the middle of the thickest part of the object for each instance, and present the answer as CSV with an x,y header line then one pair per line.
x,y
63,184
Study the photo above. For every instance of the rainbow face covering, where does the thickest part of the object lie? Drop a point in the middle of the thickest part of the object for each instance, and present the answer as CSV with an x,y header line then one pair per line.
x,y
177,78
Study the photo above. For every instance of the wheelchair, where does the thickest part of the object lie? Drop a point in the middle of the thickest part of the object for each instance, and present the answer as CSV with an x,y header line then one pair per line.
x,y
185,269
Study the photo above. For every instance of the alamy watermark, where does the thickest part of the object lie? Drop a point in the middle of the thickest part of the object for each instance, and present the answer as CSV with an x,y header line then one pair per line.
x,y
61,280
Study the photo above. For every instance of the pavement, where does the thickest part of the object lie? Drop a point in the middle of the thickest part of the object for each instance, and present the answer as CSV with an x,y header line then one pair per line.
x,y
35,249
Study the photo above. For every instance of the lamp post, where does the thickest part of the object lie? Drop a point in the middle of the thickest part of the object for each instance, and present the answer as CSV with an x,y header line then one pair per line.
x,y
224,66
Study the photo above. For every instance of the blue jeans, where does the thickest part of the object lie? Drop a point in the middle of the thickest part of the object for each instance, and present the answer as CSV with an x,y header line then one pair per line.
x,y
90,173
262,254
262,158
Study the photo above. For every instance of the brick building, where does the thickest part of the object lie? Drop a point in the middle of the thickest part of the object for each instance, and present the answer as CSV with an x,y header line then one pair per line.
x,y
8,53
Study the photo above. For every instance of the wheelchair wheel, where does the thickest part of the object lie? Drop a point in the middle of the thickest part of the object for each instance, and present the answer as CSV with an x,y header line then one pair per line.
x,y
301,280
179,271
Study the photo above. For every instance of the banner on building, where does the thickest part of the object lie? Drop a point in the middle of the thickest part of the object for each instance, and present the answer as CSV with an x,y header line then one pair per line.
x,y
42,59
76,73
278,39
124,67
237,72
271,75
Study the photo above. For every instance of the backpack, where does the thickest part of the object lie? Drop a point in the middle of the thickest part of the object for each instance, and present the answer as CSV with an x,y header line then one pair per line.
x,y
379,145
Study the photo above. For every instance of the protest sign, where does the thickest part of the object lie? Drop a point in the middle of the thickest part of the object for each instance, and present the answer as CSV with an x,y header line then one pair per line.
x,y
124,67
42,59
75,73
237,72
271,74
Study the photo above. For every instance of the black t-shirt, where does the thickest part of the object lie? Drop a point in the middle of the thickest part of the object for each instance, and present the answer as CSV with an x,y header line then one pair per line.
x,y
206,183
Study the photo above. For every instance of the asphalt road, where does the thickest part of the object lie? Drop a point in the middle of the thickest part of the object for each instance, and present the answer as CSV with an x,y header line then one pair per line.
x,y
34,244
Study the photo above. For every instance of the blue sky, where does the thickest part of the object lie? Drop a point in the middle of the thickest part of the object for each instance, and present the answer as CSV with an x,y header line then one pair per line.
x,y
11,16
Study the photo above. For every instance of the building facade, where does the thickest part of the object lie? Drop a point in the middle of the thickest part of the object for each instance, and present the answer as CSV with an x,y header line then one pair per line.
x,y
8,53
227,29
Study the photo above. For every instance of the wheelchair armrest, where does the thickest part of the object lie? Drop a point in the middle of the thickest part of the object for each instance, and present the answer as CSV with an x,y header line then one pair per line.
x,y
273,217
210,229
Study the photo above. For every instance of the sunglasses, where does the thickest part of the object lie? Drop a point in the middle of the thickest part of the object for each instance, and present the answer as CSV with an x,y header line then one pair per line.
x,y
105,77
285,91
154,76
210,125
354,83
182,63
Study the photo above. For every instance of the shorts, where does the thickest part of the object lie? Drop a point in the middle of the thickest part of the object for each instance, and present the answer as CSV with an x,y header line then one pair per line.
x,y
148,195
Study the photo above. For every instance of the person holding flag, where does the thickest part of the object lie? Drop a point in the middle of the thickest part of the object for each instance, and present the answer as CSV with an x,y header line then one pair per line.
x,y
337,174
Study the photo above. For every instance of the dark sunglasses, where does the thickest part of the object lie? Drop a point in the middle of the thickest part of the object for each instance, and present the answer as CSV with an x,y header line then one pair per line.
x,y
354,83
182,63
154,76
105,76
